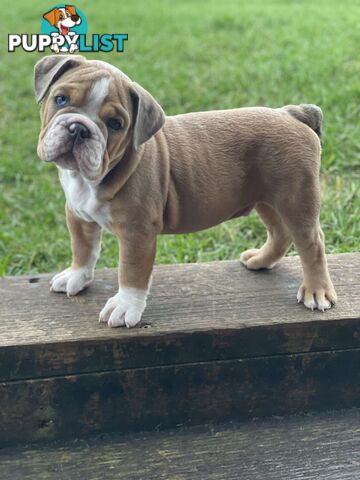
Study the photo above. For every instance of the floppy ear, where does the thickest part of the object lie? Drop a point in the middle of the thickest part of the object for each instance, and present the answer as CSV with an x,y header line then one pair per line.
x,y
71,9
51,16
49,69
149,116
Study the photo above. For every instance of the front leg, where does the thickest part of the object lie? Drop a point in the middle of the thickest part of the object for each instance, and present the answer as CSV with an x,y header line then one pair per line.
x,y
85,247
73,48
137,255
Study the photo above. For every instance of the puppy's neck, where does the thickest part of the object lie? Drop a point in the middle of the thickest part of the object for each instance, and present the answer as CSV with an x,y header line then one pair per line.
x,y
120,173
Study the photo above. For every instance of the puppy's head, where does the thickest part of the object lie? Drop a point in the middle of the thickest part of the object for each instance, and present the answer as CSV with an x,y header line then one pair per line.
x,y
91,114
63,18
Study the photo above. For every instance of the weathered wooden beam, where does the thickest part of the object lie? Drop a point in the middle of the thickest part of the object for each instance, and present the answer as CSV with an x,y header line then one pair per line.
x,y
196,312
163,397
217,342
324,446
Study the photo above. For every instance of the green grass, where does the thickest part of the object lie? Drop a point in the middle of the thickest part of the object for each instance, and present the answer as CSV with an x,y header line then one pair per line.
x,y
192,55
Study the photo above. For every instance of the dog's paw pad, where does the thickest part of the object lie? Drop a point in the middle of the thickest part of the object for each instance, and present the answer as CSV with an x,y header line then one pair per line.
x,y
125,308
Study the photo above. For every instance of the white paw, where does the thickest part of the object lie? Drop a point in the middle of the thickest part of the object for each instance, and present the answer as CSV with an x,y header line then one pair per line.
x,y
73,48
55,48
72,280
319,298
124,308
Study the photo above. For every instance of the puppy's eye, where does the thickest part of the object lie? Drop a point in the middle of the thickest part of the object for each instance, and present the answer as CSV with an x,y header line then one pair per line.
x,y
113,124
61,17
61,100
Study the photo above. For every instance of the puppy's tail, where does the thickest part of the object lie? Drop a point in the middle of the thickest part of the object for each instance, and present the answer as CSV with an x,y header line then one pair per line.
x,y
309,114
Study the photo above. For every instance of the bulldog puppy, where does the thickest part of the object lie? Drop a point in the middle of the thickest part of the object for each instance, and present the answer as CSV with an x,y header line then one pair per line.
x,y
127,168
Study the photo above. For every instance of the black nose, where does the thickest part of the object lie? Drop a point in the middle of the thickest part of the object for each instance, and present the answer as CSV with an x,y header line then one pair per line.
x,y
75,18
79,131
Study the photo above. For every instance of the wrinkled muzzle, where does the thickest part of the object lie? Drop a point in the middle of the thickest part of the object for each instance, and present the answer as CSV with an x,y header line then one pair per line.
x,y
74,142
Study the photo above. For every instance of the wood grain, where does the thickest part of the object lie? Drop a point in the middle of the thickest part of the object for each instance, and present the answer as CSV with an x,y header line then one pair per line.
x,y
163,397
310,447
221,343
196,312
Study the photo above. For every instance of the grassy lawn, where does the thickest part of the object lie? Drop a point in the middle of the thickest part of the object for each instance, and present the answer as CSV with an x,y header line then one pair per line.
x,y
192,55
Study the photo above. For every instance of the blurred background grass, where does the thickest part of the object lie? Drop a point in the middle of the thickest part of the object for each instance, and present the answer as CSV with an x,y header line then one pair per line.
x,y
191,55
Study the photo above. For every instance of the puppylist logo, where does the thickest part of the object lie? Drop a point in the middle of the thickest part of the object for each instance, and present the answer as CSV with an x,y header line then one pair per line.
x,y
64,29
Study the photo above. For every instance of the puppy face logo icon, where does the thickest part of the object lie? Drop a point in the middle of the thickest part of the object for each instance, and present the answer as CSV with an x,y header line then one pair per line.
x,y
63,18
64,29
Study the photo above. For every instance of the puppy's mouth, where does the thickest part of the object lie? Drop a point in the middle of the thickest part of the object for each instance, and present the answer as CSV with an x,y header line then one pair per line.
x,y
77,156
64,30
67,161
75,143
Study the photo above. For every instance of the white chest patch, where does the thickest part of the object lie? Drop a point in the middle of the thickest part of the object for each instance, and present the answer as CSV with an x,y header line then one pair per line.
x,y
82,200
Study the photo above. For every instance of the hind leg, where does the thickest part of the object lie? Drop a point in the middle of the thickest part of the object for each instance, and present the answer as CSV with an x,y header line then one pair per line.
x,y
277,244
316,290
302,220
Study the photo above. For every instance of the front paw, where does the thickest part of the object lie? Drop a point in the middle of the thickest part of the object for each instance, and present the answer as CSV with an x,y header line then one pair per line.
x,y
73,48
125,308
72,280
55,48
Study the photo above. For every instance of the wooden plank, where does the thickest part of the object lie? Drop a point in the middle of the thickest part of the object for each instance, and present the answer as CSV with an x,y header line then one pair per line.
x,y
196,312
163,397
312,447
